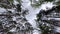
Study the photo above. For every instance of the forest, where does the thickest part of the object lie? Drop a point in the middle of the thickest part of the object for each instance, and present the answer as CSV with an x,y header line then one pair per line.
x,y
29,16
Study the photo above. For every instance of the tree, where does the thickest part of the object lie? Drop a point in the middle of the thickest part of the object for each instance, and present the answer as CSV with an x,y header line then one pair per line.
x,y
47,19
13,20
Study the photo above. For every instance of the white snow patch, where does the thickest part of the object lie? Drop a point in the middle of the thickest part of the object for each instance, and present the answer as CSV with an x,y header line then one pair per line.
x,y
13,30
57,29
2,10
47,5
15,2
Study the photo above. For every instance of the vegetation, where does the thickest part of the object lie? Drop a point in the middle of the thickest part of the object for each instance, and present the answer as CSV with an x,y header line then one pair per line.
x,y
44,28
13,20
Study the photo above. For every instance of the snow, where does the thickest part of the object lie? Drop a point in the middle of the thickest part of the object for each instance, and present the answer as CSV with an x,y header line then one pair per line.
x,y
32,13
15,2
57,29
13,30
47,5
2,10
37,0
